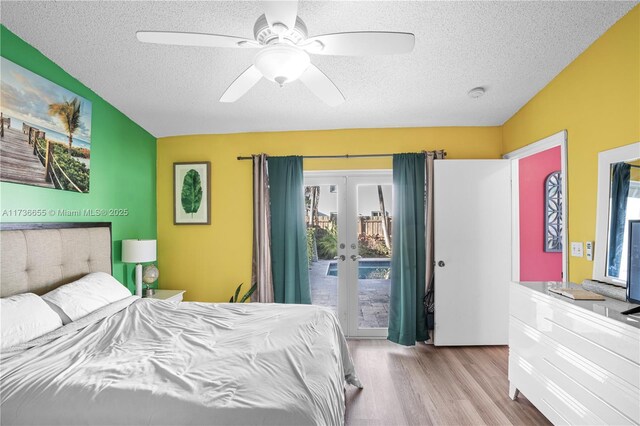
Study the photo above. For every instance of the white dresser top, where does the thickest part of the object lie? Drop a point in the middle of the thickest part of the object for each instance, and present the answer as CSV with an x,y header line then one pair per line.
x,y
609,308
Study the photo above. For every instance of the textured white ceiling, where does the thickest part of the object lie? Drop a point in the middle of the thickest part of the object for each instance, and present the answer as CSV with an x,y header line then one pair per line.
x,y
512,48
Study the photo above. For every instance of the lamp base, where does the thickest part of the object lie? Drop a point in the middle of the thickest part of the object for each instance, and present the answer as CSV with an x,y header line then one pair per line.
x,y
149,292
139,279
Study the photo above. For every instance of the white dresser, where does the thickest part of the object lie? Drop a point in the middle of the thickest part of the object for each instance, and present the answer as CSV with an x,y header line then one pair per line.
x,y
578,362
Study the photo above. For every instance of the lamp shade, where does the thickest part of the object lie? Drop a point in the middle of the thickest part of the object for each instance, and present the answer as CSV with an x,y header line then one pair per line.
x,y
138,251
281,62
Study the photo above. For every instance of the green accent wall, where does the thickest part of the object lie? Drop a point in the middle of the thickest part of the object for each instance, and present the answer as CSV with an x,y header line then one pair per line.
x,y
123,165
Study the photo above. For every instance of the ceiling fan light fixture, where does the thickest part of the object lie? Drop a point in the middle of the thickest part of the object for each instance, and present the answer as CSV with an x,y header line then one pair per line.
x,y
282,63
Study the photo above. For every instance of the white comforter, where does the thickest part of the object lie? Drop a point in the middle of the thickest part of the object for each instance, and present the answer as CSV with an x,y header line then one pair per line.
x,y
157,362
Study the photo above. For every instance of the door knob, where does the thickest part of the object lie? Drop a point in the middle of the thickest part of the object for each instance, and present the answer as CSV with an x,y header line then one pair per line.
x,y
342,257
354,257
441,264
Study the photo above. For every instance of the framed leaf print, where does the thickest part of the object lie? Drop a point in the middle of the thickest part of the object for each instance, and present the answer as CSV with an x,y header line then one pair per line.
x,y
192,193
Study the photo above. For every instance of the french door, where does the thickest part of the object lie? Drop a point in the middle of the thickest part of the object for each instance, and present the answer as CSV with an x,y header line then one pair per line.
x,y
349,230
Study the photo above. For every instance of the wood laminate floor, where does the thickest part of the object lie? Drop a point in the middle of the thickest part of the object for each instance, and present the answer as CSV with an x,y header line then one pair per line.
x,y
427,385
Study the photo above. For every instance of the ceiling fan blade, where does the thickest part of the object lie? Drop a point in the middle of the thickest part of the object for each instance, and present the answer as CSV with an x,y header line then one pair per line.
x,y
241,85
284,12
360,43
322,86
194,39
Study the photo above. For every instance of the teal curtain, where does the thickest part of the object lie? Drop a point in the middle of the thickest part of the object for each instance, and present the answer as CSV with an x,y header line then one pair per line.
x,y
407,319
288,231
620,177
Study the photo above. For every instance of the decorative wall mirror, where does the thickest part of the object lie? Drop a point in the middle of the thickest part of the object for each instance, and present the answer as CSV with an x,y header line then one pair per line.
x,y
618,203
553,213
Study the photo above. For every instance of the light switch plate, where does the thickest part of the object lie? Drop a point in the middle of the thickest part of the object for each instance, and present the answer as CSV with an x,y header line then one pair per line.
x,y
576,249
589,250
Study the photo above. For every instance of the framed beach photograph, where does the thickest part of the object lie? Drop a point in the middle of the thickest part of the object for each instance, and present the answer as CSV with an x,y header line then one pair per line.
x,y
45,132
192,193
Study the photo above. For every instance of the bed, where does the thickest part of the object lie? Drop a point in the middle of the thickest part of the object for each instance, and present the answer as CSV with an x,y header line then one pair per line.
x,y
139,361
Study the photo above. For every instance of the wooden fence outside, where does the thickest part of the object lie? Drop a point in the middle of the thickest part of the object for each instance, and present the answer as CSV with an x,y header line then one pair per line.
x,y
371,227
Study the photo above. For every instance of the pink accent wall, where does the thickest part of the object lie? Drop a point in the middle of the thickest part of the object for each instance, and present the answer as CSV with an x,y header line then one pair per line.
x,y
535,263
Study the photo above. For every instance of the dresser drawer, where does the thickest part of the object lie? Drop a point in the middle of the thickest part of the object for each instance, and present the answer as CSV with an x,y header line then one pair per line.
x,y
547,395
564,321
615,400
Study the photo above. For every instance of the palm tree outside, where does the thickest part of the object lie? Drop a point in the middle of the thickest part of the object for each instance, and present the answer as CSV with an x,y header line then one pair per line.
x,y
69,113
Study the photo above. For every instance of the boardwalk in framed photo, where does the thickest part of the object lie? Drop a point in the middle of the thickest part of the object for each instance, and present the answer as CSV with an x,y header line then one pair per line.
x,y
45,132
18,163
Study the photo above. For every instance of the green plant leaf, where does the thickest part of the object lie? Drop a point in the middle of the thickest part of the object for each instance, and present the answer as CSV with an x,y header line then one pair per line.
x,y
327,242
235,297
191,192
249,293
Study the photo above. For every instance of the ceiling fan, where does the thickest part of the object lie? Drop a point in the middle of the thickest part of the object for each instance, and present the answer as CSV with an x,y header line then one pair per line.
x,y
284,48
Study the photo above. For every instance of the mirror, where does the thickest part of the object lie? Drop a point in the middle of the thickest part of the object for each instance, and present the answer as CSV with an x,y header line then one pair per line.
x,y
618,202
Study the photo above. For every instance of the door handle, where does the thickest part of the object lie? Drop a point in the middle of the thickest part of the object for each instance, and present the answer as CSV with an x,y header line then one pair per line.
x,y
441,264
342,257
355,257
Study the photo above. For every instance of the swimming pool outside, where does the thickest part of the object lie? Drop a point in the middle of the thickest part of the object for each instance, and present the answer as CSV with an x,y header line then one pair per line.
x,y
368,269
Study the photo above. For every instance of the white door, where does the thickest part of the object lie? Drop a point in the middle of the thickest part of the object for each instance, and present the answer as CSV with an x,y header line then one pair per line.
x,y
472,214
351,272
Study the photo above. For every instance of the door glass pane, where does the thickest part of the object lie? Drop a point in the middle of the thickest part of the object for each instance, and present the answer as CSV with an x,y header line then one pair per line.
x,y
374,247
321,203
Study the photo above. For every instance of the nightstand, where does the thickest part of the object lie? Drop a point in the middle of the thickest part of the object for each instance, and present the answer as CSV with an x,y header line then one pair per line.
x,y
173,295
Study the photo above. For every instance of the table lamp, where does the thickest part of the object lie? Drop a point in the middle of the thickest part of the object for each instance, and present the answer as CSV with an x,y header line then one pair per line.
x,y
138,251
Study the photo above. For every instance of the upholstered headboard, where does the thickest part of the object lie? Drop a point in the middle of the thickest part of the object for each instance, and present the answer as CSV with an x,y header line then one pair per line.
x,y
38,257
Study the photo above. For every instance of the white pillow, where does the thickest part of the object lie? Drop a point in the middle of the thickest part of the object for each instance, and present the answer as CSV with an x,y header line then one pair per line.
x,y
87,294
25,317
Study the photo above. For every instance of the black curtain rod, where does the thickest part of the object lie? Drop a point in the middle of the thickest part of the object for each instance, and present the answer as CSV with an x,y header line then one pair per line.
x,y
339,156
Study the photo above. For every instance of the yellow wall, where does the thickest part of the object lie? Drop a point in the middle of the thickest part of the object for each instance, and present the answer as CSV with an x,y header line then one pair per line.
x,y
209,261
597,99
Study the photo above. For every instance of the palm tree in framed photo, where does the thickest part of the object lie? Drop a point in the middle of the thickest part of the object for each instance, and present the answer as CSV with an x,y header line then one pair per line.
x,y
69,114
